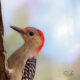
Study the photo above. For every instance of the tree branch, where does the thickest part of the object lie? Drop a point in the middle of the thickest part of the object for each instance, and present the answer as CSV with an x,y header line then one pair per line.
x,y
2,57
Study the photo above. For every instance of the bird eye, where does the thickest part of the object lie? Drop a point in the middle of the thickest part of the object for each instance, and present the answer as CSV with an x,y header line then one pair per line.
x,y
31,33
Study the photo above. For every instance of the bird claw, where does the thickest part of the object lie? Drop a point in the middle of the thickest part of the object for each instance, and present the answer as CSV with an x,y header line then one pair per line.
x,y
9,72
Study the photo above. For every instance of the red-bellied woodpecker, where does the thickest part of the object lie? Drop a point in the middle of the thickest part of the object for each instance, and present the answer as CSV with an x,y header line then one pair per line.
x,y
22,63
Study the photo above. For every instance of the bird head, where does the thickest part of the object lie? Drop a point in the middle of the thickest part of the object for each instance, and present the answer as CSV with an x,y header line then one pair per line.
x,y
34,38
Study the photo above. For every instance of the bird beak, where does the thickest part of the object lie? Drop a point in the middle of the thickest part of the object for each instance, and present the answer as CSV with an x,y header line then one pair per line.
x,y
18,29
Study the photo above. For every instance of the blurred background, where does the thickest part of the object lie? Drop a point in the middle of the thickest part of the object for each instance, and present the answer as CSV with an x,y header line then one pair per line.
x,y
60,22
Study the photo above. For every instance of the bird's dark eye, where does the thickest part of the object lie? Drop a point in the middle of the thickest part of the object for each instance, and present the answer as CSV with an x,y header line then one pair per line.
x,y
31,33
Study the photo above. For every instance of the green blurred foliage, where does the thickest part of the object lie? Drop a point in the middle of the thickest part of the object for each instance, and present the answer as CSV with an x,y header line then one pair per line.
x,y
21,16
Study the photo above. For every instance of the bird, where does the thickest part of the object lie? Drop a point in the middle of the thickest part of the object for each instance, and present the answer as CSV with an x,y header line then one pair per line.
x,y
21,65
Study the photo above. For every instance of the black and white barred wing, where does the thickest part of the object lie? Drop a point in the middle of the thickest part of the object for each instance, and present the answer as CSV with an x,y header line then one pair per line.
x,y
29,69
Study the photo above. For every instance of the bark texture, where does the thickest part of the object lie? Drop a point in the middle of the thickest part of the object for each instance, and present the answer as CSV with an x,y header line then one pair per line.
x,y
2,57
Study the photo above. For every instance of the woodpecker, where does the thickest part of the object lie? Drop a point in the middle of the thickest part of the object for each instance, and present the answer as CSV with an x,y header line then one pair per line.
x,y
21,65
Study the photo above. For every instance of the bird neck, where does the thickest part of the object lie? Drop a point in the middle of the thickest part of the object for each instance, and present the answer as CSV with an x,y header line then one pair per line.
x,y
32,51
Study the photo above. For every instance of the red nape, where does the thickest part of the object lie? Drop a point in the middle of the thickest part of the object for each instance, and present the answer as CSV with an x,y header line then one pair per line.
x,y
43,39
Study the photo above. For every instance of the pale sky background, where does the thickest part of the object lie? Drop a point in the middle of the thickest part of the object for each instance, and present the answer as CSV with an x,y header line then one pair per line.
x,y
58,19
